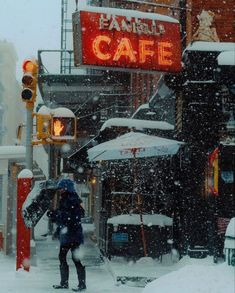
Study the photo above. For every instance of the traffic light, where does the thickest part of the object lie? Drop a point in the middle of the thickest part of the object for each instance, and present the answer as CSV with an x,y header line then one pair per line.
x,y
43,126
63,125
29,81
43,123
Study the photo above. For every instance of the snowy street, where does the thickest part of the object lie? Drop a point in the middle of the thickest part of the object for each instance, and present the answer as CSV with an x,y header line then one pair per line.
x,y
200,275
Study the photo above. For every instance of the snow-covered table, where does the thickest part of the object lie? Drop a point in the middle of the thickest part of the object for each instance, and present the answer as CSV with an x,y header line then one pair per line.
x,y
229,243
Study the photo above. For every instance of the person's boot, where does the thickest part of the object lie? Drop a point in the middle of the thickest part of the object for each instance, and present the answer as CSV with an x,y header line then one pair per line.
x,y
64,275
81,272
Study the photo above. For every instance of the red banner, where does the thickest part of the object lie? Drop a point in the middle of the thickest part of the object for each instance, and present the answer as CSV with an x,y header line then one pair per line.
x,y
127,42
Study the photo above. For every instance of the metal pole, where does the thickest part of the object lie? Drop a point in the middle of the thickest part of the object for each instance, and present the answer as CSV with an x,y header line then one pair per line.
x,y
136,191
29,166
52,168
29,131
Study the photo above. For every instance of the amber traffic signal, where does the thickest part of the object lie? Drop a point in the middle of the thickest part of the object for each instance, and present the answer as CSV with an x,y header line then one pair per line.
x,y
29,81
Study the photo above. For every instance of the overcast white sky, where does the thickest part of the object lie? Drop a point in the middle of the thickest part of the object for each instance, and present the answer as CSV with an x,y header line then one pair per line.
x,y
30,25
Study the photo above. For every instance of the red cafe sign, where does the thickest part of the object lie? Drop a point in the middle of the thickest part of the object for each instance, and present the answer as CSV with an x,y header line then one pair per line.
x,y
126,39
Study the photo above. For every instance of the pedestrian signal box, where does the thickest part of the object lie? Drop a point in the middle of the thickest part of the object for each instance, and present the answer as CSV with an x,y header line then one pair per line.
x,y
63,125
29,81
43,126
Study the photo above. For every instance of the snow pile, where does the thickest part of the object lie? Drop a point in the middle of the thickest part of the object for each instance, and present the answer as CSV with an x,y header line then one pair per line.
x,y
195,279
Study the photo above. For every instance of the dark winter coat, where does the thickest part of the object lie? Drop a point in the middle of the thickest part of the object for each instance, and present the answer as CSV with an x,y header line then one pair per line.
x,y
68,219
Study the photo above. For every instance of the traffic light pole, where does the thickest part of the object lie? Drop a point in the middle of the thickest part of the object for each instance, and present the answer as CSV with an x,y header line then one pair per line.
x,y
29,165
28,95
29,133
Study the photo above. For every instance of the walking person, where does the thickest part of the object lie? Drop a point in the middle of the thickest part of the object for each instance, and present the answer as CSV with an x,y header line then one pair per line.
x,y
69,229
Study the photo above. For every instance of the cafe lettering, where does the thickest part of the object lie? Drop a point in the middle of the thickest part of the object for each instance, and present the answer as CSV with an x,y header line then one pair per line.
x,y
108,40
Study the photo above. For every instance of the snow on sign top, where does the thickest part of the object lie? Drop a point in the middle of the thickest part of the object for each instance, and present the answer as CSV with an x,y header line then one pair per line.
x,y
129,13
62,112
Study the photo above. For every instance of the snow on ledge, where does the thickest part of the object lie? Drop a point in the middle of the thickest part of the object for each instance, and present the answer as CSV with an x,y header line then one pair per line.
x,y
12,152
134,219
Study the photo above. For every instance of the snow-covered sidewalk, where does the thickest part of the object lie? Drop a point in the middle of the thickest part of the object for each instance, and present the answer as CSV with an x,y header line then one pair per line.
x,y
187,275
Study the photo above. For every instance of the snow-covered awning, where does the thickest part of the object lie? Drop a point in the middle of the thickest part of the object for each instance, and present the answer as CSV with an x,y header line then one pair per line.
x,y
211,46
138,124
148,220
12,152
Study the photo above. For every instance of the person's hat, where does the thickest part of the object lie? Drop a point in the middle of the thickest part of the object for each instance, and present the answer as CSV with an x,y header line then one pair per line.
x,y
66,184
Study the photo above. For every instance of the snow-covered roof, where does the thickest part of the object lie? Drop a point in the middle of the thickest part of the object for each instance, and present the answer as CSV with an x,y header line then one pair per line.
x,y
134,219
129,13
137,124
227,58
12,152
211,46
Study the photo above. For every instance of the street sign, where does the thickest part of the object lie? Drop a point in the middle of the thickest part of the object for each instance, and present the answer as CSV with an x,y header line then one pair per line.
x,y
63,125
126,40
